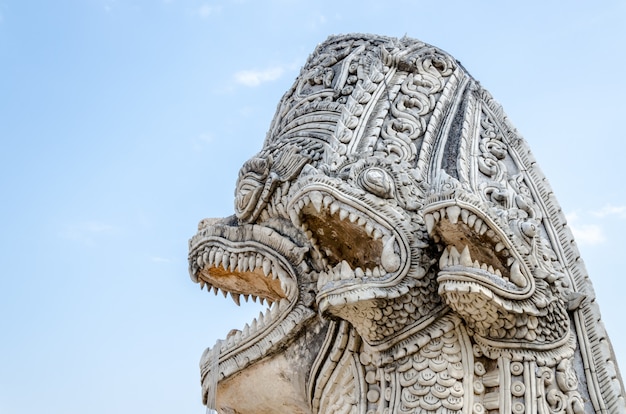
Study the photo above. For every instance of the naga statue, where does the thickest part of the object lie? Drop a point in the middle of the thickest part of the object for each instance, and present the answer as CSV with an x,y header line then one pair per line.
x,y
412,254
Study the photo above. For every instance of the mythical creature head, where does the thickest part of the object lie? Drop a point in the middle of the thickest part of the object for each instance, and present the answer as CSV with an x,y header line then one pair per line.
x,y
394,216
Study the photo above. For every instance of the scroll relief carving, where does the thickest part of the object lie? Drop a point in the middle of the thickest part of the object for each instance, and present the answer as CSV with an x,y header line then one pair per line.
x,y
412,255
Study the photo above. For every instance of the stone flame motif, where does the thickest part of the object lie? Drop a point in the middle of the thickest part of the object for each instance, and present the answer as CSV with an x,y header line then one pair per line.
x,y
413,256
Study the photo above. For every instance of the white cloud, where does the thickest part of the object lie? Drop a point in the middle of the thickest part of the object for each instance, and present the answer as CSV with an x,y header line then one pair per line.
x,y
609,210
207,10
257,77
157,259
585,234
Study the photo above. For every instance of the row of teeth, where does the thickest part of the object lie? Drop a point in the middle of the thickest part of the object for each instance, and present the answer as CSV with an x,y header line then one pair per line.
x,y
452,257
319,201
453,213
390,260
236,297
343,271
244,262
236,336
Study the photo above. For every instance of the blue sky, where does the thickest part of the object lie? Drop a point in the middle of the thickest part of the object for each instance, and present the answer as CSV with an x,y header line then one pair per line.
x,y
124,122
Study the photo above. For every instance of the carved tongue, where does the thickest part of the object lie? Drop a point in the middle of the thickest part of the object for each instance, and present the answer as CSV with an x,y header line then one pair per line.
x,y
389,259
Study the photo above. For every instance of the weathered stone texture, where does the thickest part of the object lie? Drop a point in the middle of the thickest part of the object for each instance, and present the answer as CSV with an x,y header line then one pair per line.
x,y
412,253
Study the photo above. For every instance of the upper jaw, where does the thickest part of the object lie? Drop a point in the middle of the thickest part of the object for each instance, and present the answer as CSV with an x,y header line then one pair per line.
x,y
250,261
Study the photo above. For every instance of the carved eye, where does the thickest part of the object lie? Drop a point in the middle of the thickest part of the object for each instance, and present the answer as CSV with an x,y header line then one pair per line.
x,y
250,185
529,229
378,182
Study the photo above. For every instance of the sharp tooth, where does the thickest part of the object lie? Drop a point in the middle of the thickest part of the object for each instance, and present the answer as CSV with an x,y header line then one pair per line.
x,y
246,297
254,298
316,199
242,263
453,213
224,293
464,215
369,228
516,275
499,247
251,261
212,256
218,257
389,259
483,229
430,223
235,297
233,261
368,272
466,259
377,234
295,218
205,257
253,325
490,269
352,217
343,214
358,272
376,272
301,204
199,260
346,271
327,201
443,260
498,272
274,312
483,266
225,261
261,300
261,319
283,305
267,266
202,283
471,220
476,264
333,208
246,330
490,233
454,256
274,273
477,224
436,216
215,290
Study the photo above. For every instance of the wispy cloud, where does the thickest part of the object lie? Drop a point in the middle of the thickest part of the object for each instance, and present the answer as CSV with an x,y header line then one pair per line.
x,y
207,10
585,234
609,210
257,77
87,232
157,259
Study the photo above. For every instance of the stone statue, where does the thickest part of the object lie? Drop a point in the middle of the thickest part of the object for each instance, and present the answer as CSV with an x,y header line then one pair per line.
x,y
412,253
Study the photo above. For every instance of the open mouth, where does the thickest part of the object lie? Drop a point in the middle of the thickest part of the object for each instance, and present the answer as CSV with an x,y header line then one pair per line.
x,y
475,251
353,245
249,263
